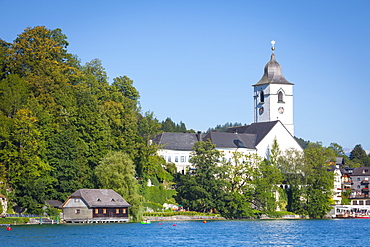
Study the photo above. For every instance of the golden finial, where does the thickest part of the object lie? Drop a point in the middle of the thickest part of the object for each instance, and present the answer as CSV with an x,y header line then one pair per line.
x,y
273,45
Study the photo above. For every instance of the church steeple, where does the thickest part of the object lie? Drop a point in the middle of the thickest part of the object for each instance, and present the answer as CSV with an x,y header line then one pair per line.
x,y
273,95
273,73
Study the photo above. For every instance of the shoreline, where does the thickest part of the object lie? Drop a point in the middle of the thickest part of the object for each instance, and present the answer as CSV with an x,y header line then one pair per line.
x,y
182,217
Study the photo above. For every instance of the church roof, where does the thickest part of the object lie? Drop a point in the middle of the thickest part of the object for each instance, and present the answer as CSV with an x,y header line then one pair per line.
x,y
185,141
260,129
176,141
272,73
231,140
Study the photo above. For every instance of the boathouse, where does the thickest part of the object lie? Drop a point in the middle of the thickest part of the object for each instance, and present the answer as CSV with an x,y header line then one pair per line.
x,y
95,206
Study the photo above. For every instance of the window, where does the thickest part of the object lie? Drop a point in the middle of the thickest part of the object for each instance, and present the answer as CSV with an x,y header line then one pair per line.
x,y
262,97
77,200
104,210
78,211
123,210
182,159
176,158
358,186
280,97
358,179
96,211
117,210
361,202
169,158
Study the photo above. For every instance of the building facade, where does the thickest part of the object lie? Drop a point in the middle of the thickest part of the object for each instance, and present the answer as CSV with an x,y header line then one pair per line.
x,y
94,206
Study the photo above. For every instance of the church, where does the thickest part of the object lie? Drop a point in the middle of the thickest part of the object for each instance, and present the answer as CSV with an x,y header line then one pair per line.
x,y
273,120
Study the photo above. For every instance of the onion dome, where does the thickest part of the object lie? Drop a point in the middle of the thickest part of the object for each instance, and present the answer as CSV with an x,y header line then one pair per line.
x,y
272,72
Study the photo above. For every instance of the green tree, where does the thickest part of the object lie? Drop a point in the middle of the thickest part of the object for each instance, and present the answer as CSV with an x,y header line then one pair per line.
x,y
170,126
28,173
320,181
292,167
116,171
204,190
240,174
13,95
358,155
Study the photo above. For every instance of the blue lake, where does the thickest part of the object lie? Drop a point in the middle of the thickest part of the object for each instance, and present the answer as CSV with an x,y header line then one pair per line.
x,y
349,232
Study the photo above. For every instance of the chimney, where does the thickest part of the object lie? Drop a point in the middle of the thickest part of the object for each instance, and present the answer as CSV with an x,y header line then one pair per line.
x,y
199,136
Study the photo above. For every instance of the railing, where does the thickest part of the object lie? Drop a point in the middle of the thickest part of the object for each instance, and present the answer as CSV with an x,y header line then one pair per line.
x,y
21,215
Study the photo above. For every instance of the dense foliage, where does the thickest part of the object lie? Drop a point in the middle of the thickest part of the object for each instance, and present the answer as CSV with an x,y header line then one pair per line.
x,y
63,126
248,186
224,127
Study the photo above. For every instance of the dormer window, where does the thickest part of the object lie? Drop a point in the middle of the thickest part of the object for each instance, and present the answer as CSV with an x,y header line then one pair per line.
x,y
280,97
112,200
98,200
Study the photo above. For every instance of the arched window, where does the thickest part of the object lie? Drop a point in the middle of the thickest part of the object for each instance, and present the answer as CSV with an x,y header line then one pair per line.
x,y
280,97
262,97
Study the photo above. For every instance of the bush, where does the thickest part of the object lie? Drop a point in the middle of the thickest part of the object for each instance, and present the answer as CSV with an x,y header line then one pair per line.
x,y
173,213
12,220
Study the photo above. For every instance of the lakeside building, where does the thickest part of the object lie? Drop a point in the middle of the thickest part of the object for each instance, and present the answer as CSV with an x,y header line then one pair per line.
x,y
273,120
95,206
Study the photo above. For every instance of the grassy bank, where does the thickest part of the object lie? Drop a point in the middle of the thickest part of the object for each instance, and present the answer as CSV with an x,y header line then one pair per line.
x,y
170,214
14,220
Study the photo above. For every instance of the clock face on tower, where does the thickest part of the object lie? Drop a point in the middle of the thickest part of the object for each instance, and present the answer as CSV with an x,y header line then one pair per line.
x,y
281,110
261,110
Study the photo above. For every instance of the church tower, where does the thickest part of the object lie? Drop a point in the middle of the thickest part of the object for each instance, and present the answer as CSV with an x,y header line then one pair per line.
x,y
273,96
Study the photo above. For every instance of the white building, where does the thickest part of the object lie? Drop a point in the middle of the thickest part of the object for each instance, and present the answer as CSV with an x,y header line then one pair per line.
x,y
273,120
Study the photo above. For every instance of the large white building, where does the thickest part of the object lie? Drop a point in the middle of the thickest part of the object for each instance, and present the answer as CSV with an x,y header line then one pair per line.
x,y
273,120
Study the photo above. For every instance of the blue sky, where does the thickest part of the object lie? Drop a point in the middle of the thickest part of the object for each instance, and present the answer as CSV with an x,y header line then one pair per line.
x,y
196,61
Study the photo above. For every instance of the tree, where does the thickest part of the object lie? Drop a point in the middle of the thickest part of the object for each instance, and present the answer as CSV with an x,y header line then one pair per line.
x,y
13,95
116,171
240,174
292,167
337,149
320,181
170,126
358,155
224,127
27,173
204,190
267,188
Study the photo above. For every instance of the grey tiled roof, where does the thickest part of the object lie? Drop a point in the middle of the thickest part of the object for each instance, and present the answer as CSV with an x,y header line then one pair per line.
x,y
361,171
100,198
185,141
259,129
176,141
231,140
272,74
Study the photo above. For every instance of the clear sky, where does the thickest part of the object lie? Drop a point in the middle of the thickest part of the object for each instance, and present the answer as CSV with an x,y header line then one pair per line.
x,y
196,61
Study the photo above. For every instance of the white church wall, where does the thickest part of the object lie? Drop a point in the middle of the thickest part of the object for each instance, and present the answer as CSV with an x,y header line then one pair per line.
x,y
283,137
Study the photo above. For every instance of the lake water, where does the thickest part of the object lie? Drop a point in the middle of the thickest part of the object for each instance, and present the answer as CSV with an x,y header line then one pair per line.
x,y
347,232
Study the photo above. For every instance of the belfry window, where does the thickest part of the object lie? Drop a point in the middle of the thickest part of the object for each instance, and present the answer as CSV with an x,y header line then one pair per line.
x,y
262,97
280,97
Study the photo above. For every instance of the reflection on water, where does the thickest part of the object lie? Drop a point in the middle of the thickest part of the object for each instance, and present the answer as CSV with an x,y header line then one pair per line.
x,y
194,233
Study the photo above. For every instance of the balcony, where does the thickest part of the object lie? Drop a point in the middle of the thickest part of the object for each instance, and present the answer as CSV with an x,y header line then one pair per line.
x,y
365,189
365,181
